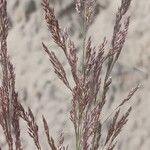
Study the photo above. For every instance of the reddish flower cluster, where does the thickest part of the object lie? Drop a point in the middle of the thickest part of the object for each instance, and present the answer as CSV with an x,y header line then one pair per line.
x,y
87,100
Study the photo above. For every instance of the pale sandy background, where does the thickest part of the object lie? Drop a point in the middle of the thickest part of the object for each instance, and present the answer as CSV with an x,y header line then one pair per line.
x,y
39,87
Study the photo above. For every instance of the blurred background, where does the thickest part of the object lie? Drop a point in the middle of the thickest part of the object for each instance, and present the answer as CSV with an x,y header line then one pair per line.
x,y
40,89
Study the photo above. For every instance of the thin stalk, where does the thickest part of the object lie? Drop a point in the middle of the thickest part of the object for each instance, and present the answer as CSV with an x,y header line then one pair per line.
x,y
78,128
84,30
78,131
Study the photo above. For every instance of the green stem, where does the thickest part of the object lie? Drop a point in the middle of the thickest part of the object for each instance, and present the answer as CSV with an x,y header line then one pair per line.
x,y
84,51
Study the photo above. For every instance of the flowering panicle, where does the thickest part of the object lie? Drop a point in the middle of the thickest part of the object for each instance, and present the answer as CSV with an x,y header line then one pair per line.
x,y
51,142
10,108
59,69
62,39
87,102
89,10
86,10
89,92
119,34
8,96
